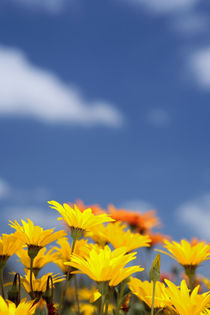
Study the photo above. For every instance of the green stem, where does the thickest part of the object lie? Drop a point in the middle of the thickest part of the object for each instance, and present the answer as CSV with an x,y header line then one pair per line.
x,y
153,297
108,298
76,294
101,305
120,296
31,278
73,245
2,282
67,280
190,272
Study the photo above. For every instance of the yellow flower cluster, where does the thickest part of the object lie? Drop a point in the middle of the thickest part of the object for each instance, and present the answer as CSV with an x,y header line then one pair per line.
x,y
104,250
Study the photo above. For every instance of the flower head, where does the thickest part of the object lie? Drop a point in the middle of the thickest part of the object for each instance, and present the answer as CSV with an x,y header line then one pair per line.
x,y
118,237
96,209
8,246
42,259
35,236
104,265
63,253
182,302
39,284
24,308
187,254
78,221
140,222
143,290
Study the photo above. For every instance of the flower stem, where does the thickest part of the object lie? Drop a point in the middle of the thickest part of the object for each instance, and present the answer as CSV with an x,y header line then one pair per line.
x,y
190,272
76,294
153,298
108,298
120,296
31,277
101,306
2,282
67,280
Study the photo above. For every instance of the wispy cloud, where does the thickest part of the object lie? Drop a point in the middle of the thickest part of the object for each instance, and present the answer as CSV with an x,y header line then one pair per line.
x,y
199,64
158,117
4,189
23,196
167,6
29,91
40,216
195,215
183,15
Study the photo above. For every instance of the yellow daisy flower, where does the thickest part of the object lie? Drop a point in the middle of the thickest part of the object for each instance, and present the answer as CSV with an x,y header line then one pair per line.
x,y
79,221
63,253
98,235
34,236
8,246
39,285
182,302
187,254
104,265
9,308
118,237
143,290
43,258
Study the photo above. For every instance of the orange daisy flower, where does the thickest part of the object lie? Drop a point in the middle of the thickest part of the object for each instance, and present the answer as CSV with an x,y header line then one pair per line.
x,y
140,222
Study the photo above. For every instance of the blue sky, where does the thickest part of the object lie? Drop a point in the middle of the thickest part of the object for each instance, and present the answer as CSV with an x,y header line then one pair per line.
x,y
106,101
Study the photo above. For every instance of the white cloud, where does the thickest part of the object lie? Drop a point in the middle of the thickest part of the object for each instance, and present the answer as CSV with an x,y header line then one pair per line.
x,y
195,214
28,91
137,205
158,117
4,189
199,63
190,23
183,15
167,6
46,218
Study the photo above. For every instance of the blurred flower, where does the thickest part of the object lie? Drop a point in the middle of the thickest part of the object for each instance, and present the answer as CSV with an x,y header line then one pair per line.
x,y
182,302
63,253
156,238
98,234
90,309
140,222
104,265
40,260
144,289
33,235
77,221
9,308
118,237
8,246
40,284
168,276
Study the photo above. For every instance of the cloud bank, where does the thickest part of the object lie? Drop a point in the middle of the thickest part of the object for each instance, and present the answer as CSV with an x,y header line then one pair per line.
x,y
29,91
199,63
195,215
